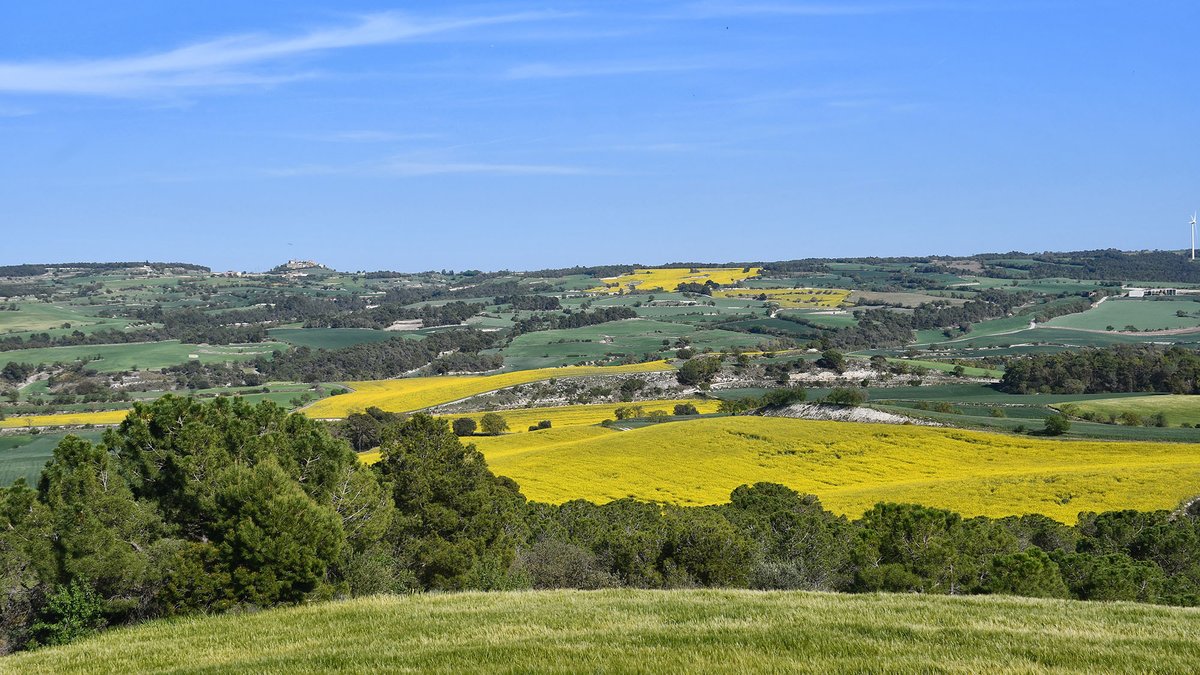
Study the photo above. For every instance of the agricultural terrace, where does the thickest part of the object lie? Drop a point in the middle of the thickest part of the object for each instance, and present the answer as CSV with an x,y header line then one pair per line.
x,y
416,393
668,279
790,298
711,631
849,466
1178,408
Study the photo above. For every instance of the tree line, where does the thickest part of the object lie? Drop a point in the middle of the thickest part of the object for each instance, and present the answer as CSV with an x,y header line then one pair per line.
x,y
190,507
443,351
1119,368
539,322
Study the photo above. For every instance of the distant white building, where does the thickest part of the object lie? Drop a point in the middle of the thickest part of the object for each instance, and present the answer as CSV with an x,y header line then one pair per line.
x,y
1147,292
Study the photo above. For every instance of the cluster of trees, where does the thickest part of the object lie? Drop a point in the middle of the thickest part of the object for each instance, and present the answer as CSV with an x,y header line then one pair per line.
x,y
197,375
13,372
1121,368
785,396
190,507
705,288
595,317
381,360
449,314
882,327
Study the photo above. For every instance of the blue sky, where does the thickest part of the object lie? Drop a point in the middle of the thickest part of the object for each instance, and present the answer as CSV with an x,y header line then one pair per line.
x,y
412,136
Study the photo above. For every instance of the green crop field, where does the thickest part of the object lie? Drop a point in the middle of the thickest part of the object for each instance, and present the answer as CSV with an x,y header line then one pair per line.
x,y
1179,409
329,338
109,358
1144,314
46,317
697,631
24,455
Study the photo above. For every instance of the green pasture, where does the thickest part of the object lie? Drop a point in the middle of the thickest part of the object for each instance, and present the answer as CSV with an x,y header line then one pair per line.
x,y
24,455
1142,313
843,319
1178,408
329,338
144,355
38,317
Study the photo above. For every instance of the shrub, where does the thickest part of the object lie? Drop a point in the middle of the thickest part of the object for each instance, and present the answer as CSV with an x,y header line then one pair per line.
x,y
71,612
464,426
493,424
1057,425
682,409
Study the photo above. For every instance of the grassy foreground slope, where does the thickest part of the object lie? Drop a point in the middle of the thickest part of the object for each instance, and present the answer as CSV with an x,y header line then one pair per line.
x,y
651,631
849,466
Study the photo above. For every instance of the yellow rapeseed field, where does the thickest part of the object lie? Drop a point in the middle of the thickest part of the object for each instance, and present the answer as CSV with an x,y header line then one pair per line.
x,y
416,393
791,298
667,279
65,419
849,466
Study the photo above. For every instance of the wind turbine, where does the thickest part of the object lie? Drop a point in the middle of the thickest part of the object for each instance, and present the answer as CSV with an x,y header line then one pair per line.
x,y
1193,235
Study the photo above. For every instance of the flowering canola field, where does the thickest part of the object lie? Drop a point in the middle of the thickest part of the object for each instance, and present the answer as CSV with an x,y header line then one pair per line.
x,y
667,279
849,466
791,298
65,419
416,393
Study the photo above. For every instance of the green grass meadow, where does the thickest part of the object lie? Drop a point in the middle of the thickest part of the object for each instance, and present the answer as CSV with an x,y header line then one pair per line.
x,y
109,358
1144,314
650,631
1178,408
24,455
329,338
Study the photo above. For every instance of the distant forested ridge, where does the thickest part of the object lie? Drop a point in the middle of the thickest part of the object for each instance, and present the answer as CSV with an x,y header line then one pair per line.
x,y
1165,266
36,269
1122,368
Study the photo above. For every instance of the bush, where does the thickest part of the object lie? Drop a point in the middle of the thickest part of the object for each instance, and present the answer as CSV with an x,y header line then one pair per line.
x,y
464,426
72,612
493,424
682,409
785,396
627,412
1057,425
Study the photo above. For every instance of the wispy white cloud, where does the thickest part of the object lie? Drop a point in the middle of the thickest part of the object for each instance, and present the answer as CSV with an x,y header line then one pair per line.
x,y
367,136
232,61
410,168
10,111
720,8
569,70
